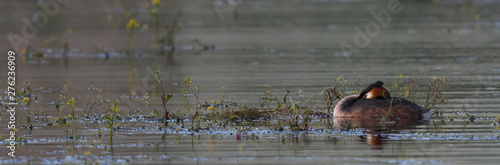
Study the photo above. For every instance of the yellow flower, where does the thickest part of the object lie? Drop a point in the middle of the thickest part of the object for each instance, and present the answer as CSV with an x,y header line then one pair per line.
x,y
463,101
26,99
87,153
156,3
211,108
115,106
72,101
69,30
132,24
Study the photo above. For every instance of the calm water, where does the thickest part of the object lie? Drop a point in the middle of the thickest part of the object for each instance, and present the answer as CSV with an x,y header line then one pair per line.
x,y
288,45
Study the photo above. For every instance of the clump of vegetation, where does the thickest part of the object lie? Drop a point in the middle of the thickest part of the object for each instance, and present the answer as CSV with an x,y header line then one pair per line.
x,y
338,91
406,87
240,114
95,101
435,96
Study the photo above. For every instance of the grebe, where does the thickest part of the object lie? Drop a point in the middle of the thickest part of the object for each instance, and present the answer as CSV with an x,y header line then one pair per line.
x,y
376,102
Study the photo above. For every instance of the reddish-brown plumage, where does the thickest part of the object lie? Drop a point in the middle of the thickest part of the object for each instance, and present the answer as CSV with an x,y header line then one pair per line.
x,y
377,93
370,104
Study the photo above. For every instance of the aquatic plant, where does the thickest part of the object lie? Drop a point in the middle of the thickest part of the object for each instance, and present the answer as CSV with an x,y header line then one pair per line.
x,y
223,92
164,98
72,103
335,92
398,90
384,119
27,101
496,123
132,25
435,96
196,114
57,104
406,87
168,38
155,113
154,13
294,116
450,118
470,117
94,101
111,120
266,98
49,41
66,47
349,126
186,83
339,90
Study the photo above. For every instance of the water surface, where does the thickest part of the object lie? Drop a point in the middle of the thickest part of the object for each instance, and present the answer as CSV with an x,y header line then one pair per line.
x,y
287,45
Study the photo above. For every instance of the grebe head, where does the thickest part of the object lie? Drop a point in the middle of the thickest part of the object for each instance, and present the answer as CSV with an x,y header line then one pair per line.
x,y
375,91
